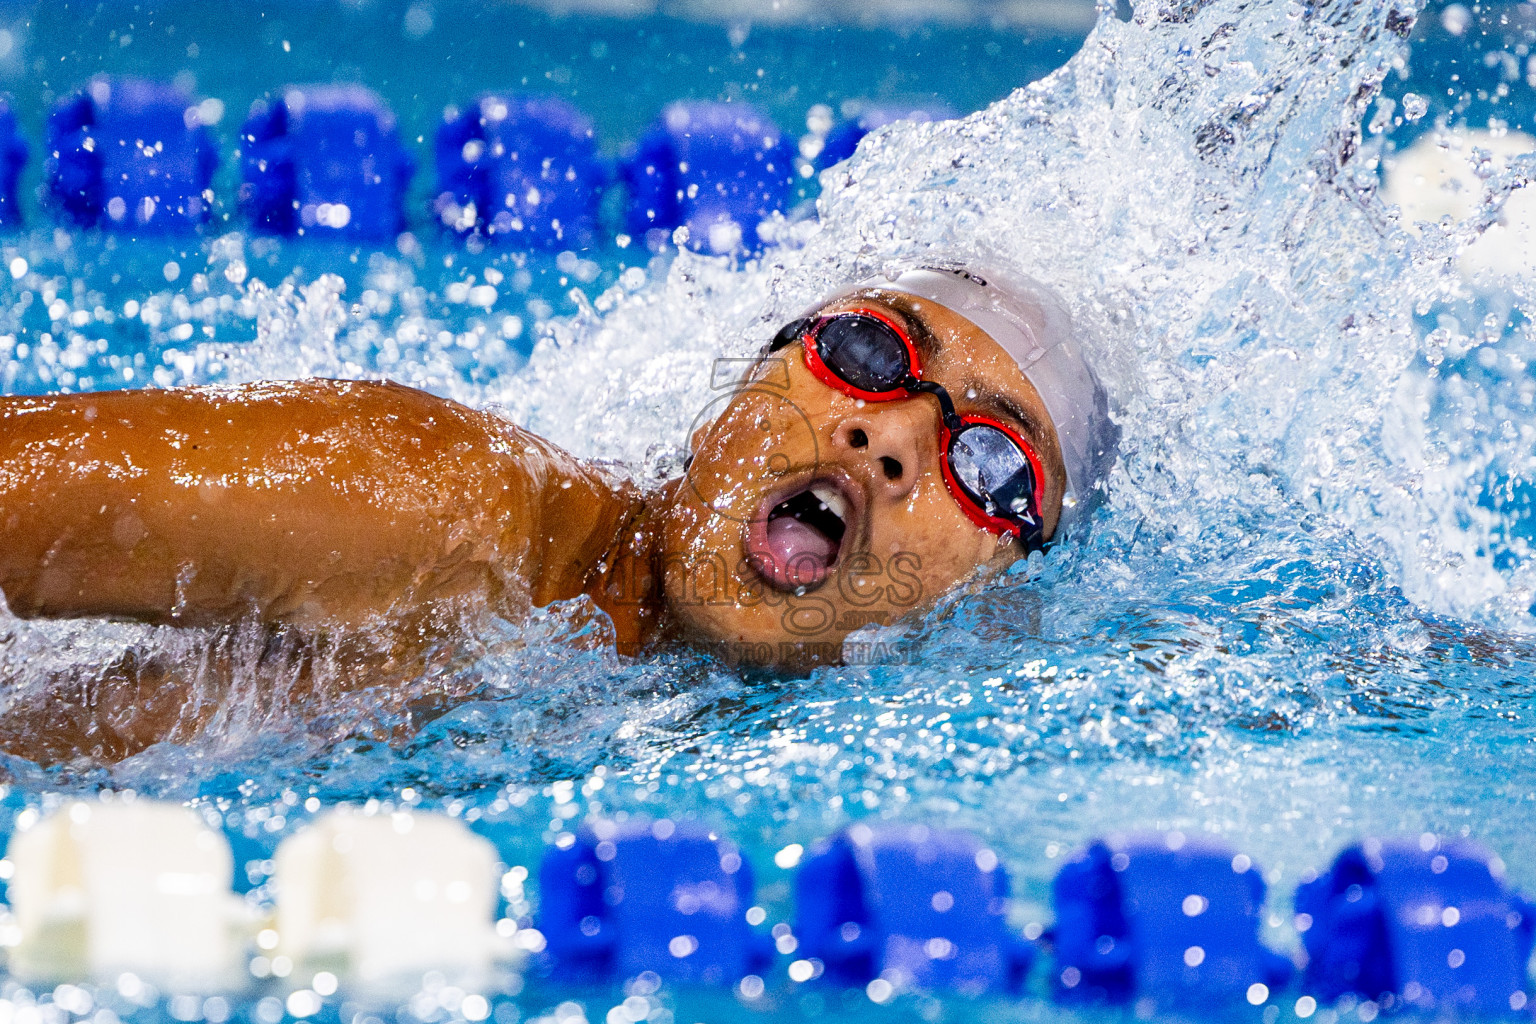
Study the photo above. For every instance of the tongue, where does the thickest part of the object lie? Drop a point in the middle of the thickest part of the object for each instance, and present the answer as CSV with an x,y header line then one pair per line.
x,y
800,554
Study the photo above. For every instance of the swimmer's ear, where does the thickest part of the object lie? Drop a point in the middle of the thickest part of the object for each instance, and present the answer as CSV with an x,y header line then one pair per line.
x,y
695,440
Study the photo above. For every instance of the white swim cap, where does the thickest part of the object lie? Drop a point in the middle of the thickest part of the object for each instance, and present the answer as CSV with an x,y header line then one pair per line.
x,y
1034,328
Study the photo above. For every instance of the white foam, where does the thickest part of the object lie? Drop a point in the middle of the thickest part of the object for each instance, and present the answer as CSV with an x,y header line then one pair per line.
x,y
1445,176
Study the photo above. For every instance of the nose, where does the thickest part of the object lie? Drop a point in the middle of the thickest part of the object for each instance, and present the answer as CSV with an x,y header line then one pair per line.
x,y
895,441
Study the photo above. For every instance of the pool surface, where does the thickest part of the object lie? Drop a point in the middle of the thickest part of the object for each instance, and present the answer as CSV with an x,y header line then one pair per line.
x,y
1305,614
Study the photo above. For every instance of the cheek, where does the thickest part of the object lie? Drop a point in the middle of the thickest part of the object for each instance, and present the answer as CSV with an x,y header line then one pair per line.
x,y
758,441
693,535
930,529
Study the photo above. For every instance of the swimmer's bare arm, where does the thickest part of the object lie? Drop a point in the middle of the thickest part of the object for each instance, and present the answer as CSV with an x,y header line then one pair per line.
x,y
322,503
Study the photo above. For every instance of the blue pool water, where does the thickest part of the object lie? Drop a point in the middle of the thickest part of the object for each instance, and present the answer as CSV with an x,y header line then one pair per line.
x,y
1304,614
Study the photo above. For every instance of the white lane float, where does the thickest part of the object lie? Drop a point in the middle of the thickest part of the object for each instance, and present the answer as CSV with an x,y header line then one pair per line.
x,y
381,899
100,889
1443,175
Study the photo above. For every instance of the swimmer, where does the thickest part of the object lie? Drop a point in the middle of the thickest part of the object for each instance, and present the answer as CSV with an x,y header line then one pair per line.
x,y
896,438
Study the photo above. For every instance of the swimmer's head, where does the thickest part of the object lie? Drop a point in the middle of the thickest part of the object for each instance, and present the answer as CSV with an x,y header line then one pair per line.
x,y
899,435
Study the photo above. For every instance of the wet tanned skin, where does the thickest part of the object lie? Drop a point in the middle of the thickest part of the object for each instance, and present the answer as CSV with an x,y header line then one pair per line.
x,y
322,504
380,513
374,518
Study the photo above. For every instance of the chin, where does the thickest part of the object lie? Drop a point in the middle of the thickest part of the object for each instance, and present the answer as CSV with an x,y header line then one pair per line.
x,y
749,635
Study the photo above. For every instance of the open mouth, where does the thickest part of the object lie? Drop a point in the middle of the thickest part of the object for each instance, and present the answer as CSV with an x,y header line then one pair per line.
x,y
799,540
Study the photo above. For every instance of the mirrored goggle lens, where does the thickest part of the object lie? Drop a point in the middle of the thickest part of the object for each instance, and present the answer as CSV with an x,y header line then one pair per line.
x,y
991,468
864,352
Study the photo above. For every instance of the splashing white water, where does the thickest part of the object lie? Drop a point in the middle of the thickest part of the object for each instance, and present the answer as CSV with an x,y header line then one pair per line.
x,y
1196,183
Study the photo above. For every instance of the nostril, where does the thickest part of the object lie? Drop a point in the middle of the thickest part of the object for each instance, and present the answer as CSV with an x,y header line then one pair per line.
x,y
891,466
857,438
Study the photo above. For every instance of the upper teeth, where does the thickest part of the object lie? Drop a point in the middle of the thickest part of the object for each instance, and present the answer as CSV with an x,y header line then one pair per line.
x,y
834,502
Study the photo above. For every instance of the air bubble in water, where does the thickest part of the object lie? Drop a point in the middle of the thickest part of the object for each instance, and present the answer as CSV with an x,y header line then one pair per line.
x,y
1455,19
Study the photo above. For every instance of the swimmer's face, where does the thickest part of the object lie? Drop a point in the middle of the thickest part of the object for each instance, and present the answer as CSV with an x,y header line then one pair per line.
x,y
752,560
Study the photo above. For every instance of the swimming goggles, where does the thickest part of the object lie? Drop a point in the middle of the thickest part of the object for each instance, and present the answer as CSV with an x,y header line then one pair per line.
x,y
994,474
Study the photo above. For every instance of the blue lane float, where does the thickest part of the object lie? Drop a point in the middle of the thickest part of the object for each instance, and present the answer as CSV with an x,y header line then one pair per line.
x,y
327,160
324,161
131,155
1164,917
1428,922
14,153
520,168
718,169
662,896
918,907
842,140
